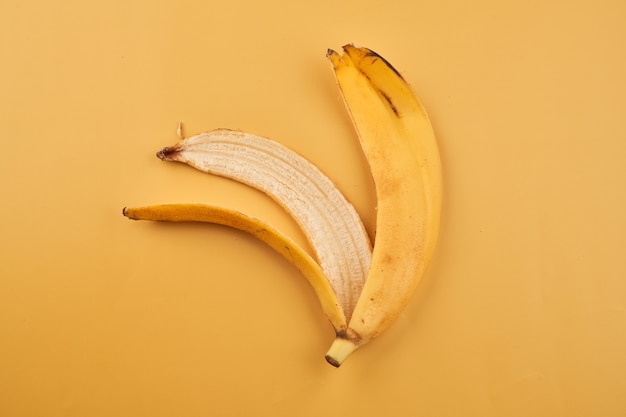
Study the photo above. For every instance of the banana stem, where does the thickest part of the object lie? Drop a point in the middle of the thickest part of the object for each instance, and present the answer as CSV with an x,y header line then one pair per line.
x,y
340,350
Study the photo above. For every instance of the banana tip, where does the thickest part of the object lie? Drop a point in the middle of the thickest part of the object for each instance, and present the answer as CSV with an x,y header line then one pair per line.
x,y
166,153
332,361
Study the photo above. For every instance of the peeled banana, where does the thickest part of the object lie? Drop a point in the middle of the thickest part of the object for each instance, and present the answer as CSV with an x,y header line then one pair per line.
x,y
362,289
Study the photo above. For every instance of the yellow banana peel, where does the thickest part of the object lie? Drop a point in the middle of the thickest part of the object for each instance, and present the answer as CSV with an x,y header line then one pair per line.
x,y
362,290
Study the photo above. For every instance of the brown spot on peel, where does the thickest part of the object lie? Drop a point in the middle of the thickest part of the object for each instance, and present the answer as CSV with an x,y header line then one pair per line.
x,y
375,55
166,153
390,102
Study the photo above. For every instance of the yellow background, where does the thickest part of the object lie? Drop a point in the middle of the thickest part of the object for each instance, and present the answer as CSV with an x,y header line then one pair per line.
x,y
522,313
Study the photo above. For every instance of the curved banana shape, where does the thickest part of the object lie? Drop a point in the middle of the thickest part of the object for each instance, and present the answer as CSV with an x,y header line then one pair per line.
x,y
282,244
361,292
399,143
330,223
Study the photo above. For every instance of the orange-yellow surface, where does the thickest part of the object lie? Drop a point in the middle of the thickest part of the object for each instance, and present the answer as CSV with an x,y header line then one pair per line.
x,y
522,313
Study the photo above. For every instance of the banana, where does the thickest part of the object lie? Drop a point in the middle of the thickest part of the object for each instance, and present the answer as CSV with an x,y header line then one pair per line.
x,y
361,290
400,145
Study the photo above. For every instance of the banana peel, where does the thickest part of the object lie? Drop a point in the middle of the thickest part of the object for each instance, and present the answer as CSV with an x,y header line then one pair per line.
x,y
362,288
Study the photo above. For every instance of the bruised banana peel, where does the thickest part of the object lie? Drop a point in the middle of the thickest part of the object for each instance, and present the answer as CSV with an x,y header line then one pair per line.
x,y
399,143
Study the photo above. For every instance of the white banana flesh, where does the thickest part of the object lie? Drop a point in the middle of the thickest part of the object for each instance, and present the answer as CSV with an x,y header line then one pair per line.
x,y
361,291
